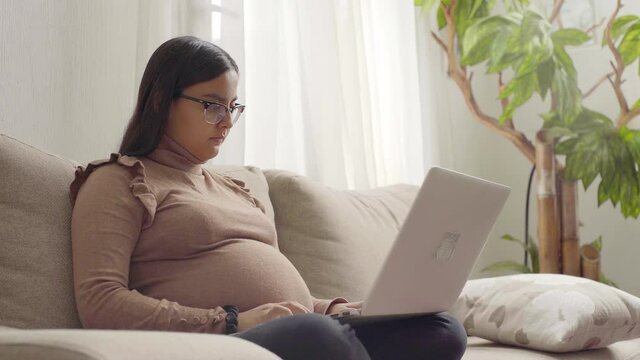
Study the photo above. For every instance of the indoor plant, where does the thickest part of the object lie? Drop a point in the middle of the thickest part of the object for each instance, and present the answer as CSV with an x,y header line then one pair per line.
x,y
526,51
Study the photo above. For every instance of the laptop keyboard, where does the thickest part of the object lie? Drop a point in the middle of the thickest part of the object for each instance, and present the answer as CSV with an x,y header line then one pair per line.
x,y
348,312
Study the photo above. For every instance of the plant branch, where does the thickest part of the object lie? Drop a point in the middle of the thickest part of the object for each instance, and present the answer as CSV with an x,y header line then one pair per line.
x,y
633,114
504,102
459,76
594,87
595,26
625,115
557,6
439,41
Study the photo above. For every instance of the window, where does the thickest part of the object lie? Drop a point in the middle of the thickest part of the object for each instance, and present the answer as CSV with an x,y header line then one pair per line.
x,y
216,21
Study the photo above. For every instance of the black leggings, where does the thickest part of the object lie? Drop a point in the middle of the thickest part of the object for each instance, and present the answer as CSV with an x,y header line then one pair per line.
x,y
315,337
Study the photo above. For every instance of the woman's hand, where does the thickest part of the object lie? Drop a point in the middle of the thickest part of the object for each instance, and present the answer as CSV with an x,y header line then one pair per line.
x,y
338,308
263,313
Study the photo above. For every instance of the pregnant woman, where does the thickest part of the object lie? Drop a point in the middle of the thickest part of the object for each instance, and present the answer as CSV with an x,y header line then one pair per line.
x,y
161,243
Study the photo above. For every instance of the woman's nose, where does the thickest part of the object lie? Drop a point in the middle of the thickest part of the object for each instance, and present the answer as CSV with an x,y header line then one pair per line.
x,y
226,121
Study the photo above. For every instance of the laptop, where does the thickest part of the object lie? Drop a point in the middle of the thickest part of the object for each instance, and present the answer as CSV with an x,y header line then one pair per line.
x,y
435,250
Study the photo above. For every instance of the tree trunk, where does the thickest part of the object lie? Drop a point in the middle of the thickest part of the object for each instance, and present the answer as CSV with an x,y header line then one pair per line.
x,y
590,258
548,214
570,238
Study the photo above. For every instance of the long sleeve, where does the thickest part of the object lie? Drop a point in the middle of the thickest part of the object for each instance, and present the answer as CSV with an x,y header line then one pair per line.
x,y
106,222
321,306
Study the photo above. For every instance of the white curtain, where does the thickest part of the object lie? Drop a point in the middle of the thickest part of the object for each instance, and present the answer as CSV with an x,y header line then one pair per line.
x,y
437,92
333,93
161,20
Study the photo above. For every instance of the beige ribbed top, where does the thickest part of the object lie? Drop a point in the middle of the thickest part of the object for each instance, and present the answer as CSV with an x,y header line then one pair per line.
x,y
159,242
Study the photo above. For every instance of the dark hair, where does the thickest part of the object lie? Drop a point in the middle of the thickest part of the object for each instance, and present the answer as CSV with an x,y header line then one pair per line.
x,y
175,65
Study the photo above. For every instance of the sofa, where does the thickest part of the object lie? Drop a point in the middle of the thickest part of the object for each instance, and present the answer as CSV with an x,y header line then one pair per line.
x,y
336,239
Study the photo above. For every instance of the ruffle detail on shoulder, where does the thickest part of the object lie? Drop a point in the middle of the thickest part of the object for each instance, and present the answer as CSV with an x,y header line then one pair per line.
x,y
139,188
245,191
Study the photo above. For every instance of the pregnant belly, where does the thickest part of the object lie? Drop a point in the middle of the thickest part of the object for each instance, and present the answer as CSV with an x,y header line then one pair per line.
x,y
246,273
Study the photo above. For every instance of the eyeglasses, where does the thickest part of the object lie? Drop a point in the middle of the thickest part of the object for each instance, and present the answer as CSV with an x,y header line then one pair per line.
x,y
215,112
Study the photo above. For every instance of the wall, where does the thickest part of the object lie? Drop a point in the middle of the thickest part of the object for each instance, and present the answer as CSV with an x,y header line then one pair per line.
x,y
70,69
68,73
467,146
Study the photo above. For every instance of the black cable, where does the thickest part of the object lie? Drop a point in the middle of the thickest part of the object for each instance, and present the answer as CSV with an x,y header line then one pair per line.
x,y
526,218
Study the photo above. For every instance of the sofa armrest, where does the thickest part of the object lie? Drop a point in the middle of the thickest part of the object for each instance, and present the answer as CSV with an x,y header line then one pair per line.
x,y
76,344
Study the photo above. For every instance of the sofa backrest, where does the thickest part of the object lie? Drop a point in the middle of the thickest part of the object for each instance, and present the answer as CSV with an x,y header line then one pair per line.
x,y
35,249
336,239
36,279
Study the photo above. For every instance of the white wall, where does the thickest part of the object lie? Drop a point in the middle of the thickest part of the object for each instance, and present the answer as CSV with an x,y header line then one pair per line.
x,y
71,69
68,74
467,146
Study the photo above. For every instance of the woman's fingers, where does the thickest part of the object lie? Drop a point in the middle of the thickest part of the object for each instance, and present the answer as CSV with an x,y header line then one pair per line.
x,y
357,304
295,307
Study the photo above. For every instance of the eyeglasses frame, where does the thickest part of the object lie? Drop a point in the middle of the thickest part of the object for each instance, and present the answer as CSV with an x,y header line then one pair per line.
x,y
206,105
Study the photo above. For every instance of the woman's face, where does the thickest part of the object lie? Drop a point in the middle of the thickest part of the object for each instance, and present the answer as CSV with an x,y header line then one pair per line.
x,y
186,123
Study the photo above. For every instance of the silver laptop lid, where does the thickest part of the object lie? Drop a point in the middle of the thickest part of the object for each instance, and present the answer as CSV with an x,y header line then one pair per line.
x,y
438,244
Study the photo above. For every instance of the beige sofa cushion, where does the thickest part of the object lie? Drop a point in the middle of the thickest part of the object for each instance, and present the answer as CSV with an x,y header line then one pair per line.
x,y
124,345
35,250
336,239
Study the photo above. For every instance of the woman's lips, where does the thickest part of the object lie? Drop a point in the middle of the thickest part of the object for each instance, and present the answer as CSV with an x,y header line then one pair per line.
x,y
218,139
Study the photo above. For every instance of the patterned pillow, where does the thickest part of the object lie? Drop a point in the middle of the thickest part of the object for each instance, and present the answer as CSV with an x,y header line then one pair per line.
x,y
549,312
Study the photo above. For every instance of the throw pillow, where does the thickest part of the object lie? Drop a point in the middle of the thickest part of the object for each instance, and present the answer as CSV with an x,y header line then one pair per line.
x,y
549,312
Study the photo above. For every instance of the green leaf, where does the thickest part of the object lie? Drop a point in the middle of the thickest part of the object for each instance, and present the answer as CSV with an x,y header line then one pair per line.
x,y
464,15
545,77
569,37
618,151
442,20
499,63
631,139
558,132
534,25
602,194
590,174
589,121
507,266
476,44
630,45
603,279
506,50
636,105
535,57
597,243
509,238
522,89
566,147
531,248
476,6
620,26
551,119
534,255
564,61
513,239
515,5
598,148
568,96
